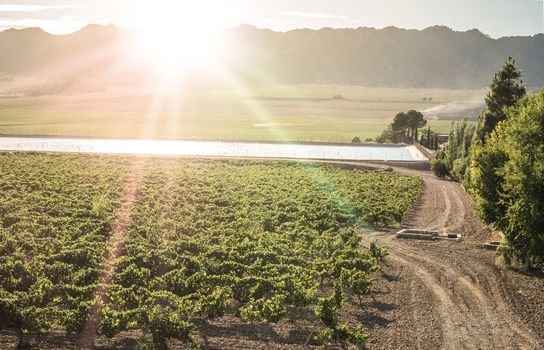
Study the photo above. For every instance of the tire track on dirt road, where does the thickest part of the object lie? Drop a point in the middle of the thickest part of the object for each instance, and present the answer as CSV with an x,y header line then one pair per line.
x,y
483,318
445,206
466,296
467,293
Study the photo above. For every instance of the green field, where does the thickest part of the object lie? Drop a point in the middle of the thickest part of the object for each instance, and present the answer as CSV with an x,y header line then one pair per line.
x,y
279,113
254,240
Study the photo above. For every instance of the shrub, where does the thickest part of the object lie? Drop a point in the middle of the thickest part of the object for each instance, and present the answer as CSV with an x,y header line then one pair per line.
x,y
439,168
379,252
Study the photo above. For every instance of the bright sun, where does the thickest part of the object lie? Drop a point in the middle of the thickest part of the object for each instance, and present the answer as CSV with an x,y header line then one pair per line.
x,y
177,34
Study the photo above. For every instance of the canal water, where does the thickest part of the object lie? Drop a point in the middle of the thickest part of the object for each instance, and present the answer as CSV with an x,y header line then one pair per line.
x,y
215,148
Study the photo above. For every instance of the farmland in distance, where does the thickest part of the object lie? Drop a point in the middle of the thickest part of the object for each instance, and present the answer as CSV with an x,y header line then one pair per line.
x,y
311,112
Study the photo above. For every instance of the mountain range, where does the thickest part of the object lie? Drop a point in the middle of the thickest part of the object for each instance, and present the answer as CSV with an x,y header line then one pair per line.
x,y
436,57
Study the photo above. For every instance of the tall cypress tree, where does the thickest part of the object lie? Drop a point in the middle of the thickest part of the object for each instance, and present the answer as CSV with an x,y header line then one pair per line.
x,y
505,90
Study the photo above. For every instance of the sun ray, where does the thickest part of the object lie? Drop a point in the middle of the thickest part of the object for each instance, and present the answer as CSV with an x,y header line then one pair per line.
x,y
258,111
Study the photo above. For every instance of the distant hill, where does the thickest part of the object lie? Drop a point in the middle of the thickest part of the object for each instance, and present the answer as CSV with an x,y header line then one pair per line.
x,y
33,51
436,57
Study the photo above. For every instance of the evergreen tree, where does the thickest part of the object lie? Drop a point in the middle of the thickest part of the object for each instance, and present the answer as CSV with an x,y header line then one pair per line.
x,y
415,122
456,153
400,125
486,160
505,90
465,141
404,128
429,137
508,176
486,182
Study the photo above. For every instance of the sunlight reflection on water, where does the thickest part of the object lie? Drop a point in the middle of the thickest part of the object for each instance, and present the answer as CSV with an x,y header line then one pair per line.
x,y
213,149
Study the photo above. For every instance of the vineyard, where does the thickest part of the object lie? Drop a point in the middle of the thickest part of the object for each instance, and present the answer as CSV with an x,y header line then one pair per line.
x,y
55,217
258,240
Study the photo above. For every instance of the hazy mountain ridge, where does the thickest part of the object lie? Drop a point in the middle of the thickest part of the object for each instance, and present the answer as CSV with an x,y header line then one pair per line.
x,y
433,57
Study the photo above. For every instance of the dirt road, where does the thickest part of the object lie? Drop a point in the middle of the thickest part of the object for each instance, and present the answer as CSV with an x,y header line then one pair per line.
x,y
452,295
445,206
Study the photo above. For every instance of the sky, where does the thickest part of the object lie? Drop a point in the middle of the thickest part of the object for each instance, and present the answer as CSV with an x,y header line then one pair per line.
x,y
496,18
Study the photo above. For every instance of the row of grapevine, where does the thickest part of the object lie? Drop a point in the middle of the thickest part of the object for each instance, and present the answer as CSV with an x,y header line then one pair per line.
x,y
56,213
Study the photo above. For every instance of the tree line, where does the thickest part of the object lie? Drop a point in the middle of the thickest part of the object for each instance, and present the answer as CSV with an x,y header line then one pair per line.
x,y
405,128
501,163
